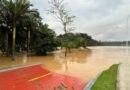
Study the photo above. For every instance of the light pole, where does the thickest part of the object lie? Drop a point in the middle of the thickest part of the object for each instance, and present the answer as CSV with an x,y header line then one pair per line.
x,y
127,34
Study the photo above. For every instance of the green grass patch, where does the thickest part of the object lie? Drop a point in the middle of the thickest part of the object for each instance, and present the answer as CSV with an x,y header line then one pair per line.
x,y
7,68
13,67
107,80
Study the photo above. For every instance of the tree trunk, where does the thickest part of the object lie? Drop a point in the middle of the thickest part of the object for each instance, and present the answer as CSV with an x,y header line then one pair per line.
x,y
65,51
13,42
65,30
6,43
69,49
66,65
66,42
28,41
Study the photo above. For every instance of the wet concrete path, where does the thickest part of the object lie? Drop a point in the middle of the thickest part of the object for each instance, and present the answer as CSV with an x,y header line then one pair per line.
x,y
123,79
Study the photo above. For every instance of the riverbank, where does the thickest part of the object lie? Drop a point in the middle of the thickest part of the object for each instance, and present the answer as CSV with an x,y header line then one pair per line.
x,y
107,80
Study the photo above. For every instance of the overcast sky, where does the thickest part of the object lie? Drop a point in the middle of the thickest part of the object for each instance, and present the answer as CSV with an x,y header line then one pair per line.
x,y
102,19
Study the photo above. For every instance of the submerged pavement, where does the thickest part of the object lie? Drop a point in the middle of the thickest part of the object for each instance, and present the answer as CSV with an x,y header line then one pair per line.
x,y
36,77
123,78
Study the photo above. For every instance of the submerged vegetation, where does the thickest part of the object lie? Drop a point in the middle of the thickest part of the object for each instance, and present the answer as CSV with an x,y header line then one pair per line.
x,y
22,29
107,80
76,40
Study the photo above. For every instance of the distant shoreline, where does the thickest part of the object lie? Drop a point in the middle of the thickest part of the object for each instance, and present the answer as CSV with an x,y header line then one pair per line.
x,y
114,43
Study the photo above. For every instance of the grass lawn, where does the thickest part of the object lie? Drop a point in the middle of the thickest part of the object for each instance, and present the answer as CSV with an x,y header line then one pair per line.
x,y
107,80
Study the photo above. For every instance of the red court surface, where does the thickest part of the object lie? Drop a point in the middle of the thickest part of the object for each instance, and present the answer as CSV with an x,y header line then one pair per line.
x,y
35,77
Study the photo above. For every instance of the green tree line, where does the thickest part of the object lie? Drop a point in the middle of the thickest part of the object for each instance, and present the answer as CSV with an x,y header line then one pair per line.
x,y
76,40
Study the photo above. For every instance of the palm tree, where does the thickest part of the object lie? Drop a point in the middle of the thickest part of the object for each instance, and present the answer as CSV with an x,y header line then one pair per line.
x,y
31,22
4,24
16,9
18,13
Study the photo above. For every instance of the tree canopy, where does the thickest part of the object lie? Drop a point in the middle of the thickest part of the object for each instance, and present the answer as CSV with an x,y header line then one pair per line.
x,y
20,25
76,40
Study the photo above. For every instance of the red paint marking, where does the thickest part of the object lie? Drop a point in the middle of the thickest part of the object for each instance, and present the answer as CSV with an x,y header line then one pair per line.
x,y
37,78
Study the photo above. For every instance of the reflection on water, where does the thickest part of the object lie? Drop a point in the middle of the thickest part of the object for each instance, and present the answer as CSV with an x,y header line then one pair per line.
x,y
85,64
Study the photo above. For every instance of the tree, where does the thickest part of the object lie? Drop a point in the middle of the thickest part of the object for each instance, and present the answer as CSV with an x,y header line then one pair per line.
x,y
3,24
21,29
62,15
31,22
16,10
43,40
77,40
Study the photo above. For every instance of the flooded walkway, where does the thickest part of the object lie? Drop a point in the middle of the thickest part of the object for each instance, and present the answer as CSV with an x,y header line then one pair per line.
x,y
84,64
35,77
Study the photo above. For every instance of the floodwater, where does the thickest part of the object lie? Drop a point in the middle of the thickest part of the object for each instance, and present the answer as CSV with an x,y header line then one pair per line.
x,y
82,63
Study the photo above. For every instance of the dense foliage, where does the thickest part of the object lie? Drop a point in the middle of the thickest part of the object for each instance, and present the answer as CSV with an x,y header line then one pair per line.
x,y
21,29
76,40
43,40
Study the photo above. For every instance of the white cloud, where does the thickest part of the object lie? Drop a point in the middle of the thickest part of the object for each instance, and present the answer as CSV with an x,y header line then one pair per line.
x,y
99,18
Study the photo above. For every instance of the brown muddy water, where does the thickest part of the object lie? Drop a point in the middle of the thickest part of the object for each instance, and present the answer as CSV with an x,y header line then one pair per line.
x,y
84,63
